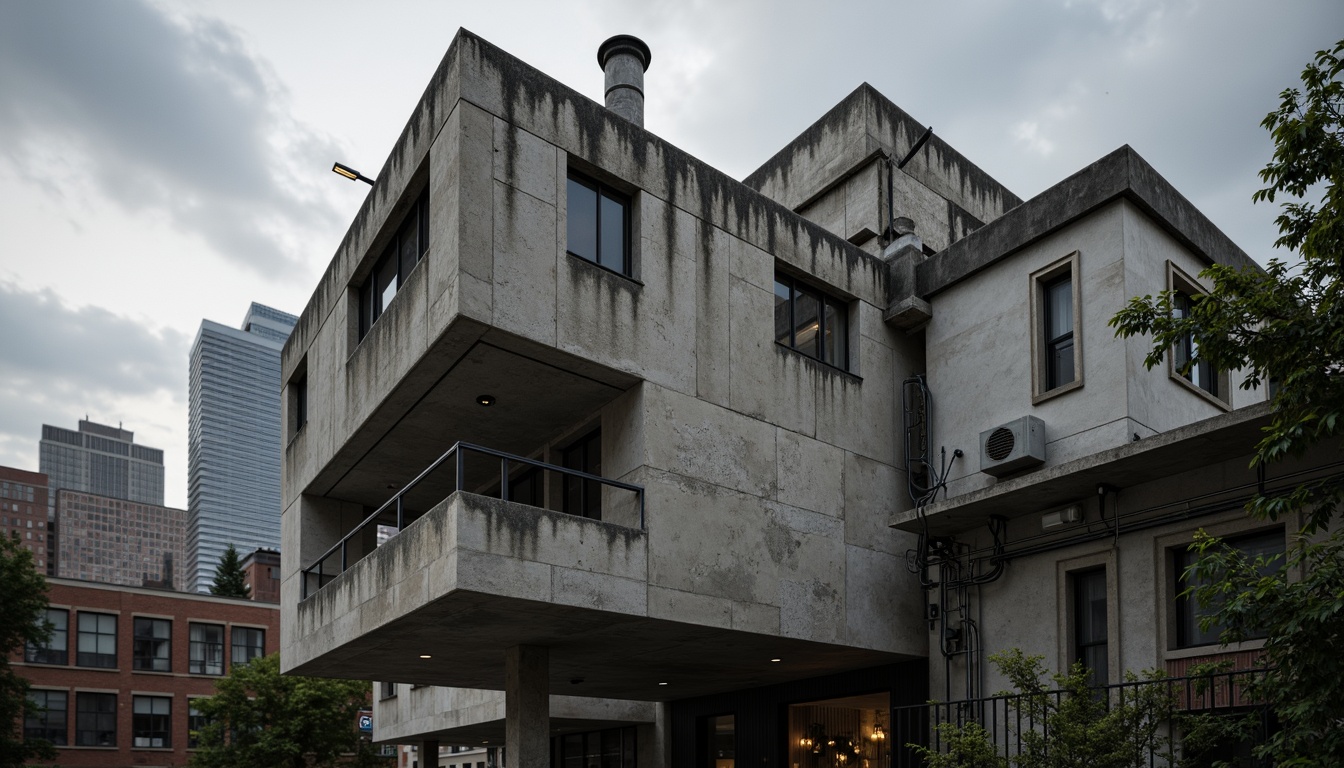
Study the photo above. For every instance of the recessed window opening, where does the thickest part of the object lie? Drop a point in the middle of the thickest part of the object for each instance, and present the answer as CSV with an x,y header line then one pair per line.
x,y
151,647
393,268
1090,646
97,640
1188,612
598,228
580,496
1185,355
1059,331
811,322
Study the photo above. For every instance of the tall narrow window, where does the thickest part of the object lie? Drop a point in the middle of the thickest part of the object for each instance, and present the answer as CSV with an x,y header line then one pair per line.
x,y
1185,355
55,650
583,497
97,640
45,717
1059,332
1056,350
206,649
95,719
152,649
409,243
152,722
598,224
811,322
1189,614
1089,624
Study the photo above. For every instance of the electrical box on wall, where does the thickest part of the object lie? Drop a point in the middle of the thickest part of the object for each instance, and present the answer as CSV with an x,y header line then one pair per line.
x,y
1012,447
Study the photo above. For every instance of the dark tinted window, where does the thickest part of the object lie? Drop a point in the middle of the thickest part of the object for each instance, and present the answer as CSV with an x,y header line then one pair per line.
x,y
1188,612
811,322
598,224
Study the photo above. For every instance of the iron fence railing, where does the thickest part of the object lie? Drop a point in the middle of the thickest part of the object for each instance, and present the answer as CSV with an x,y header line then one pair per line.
x,y
1006,718
455,459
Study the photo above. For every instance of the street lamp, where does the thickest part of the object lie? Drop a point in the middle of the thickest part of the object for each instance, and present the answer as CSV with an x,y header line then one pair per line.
x,y
351,173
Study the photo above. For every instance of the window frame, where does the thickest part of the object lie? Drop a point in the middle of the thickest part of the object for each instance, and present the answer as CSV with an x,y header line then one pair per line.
x,y
1185,611
370,303
1182,285
95,659
137,658
45,653
154,724
1040,282
38,725
203,663
1066,600
825,300
616,195
259,649
1080,608
101,718
196,722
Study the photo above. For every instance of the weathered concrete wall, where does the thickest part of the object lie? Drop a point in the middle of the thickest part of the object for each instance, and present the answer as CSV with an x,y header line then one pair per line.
x,y
980,347
835,173
1030,606
770,476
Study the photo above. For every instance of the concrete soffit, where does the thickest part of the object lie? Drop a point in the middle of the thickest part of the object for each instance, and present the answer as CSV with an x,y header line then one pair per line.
x,y
1122,174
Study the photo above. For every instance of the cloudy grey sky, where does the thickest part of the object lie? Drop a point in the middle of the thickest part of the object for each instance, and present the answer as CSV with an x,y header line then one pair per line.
x,y
163,163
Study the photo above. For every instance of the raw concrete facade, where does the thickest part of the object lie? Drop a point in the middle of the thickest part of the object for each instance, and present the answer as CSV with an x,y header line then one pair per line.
x,y
773,544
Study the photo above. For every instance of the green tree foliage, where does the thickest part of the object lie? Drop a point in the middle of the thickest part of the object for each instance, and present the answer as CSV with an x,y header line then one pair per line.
x,y
21,621
1073,725
1284,326
230,581
259,718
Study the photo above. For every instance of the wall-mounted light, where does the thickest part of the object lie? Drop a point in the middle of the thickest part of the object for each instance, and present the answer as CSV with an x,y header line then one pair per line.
x,y
1066,516
878,734
350,173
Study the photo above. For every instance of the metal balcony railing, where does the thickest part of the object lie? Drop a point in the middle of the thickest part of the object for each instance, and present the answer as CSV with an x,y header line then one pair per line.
x,y
1006,718
455,458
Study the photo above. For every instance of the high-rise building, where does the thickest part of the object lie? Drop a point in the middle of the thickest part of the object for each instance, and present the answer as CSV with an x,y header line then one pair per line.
x,y
233,439
96,459
100,459
117,541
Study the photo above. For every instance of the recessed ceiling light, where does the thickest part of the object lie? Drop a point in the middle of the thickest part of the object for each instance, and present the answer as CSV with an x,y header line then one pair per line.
x,y
662,683
426,656
776,659
485,399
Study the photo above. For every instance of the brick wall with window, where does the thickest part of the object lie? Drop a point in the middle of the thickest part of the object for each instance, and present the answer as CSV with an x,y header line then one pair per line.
x,y
117,680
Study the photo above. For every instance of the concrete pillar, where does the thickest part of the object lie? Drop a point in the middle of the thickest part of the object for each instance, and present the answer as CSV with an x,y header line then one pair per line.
x,y
527,711
624,59
654,740
427,753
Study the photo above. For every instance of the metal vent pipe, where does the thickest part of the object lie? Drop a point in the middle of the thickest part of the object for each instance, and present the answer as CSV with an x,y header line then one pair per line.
x,y
623,60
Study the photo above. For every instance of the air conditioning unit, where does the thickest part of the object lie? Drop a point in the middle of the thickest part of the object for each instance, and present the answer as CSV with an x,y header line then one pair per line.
x,y
1012,447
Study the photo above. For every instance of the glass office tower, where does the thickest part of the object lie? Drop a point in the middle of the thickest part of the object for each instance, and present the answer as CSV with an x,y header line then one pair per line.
x,y
233,440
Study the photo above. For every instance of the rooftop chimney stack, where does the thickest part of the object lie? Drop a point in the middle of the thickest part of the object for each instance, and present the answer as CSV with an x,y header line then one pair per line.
x,y
623,59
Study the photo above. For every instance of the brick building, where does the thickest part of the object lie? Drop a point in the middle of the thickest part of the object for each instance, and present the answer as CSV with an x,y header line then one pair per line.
x,y
23,511
119,541
124,664
261,570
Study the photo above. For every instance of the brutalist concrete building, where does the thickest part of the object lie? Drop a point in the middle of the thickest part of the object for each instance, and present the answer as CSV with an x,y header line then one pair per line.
x,y
598,454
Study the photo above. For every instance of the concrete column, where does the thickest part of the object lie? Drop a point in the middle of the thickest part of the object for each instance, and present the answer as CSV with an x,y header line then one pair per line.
x,y
527,707
654,739
427,754
623,59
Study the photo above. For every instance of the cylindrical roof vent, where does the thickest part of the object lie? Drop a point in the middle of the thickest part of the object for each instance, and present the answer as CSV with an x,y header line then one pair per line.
x,y
623,59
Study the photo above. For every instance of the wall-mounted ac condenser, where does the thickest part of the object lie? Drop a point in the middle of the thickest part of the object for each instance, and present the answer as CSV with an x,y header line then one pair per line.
x,y
1012,447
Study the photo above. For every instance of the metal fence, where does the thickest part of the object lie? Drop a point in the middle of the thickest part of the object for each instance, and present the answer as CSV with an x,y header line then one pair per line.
x,y
1178,704
454,461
